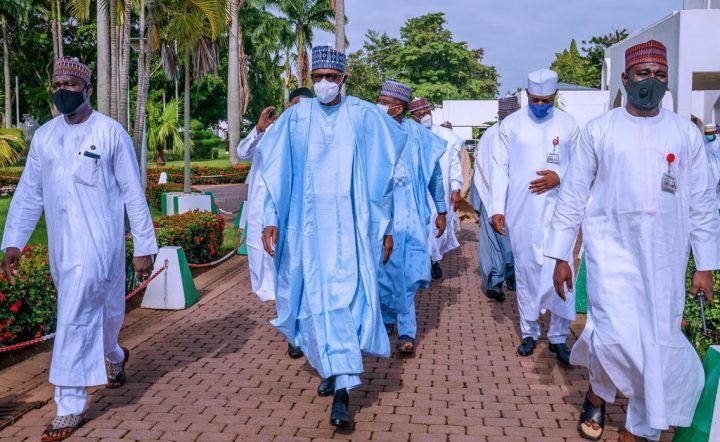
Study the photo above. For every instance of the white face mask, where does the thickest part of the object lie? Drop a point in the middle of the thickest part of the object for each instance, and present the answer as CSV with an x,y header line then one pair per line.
x,y
427,121
383,107
326,91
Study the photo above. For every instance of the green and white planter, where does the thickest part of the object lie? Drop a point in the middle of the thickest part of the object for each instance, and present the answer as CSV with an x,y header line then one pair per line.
x,y
705,426
173,289
176,203
241,222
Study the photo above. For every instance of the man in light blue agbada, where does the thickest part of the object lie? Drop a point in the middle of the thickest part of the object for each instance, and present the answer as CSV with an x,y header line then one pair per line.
x,y
417,172
328,166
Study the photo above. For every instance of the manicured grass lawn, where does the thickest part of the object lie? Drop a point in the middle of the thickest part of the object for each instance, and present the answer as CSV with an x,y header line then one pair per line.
x,y
222,161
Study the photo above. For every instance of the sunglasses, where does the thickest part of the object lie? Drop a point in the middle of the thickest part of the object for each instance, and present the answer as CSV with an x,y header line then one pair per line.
x,y
329,77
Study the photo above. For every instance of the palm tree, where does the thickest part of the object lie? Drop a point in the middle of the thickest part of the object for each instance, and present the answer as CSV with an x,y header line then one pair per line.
x,y
195,25
163,131
304,17
338,6
234,114
16,12
12,145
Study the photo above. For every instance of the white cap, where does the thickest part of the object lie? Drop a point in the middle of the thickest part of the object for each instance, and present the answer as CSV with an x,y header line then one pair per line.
x,y
542,82
710,128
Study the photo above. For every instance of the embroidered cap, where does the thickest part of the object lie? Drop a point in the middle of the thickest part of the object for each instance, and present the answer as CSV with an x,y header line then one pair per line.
x,y
397,90
419,104
326,57
73,67
651,51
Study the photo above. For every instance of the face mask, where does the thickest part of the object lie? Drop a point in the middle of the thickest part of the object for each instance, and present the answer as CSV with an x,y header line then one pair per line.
x,y
67,102
541,110
383,107
326,91
710,138
426,121
646,94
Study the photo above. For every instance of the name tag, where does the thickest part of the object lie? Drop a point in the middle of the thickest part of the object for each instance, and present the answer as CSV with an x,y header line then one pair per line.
x,y
553,157
669,184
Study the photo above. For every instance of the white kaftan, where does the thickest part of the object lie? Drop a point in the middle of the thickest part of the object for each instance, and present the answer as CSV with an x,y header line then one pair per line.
x,y
452,181
712,151
522,150
84,176
262,268
637,239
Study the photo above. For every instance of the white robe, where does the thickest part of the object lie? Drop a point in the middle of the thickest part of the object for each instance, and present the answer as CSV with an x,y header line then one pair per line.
x,y
84,200
452,181
482,171
637,240
712,150
262,268
521,151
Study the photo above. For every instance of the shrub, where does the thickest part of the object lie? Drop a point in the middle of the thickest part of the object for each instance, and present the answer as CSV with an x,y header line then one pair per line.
x,y
10,175
692,320
200,234
201,175
28,308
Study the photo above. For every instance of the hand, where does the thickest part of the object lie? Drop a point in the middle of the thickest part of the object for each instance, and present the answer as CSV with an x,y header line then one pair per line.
x,y
498,223
266,119
549,180
702,282
441,224
143,265
455,200
388,245
562,277
11,263
269,239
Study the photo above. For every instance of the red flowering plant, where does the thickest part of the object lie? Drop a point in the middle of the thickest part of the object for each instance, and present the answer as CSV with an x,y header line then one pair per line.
x,y
28,308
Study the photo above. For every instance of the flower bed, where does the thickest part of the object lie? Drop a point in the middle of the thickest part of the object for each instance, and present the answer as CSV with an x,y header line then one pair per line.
x,y
154,192
201,175
27,308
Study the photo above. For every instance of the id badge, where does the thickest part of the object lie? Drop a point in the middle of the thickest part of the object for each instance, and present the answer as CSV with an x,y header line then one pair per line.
x,y
669,184
553,157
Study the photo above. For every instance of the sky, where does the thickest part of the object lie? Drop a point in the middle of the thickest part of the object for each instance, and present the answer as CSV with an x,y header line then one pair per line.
x,y
518,36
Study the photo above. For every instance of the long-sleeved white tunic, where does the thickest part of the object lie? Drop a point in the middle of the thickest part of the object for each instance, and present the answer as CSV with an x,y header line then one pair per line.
x,y
712,151
637,240
262,268
83,176
452,181
521,151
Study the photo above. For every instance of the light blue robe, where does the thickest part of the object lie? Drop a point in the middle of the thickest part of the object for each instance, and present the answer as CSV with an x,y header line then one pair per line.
x,y
328,172
408,269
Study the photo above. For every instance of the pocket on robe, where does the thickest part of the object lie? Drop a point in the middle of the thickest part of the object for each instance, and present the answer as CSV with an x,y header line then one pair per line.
x,y
87,169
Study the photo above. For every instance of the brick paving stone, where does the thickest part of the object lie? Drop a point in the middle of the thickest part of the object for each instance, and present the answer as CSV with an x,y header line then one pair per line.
x,y
219,371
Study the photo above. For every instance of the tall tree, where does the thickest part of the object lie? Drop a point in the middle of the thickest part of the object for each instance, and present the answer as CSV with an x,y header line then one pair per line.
x,y
594,50
11,12
148,45
573,68
305,16
195,25
234,112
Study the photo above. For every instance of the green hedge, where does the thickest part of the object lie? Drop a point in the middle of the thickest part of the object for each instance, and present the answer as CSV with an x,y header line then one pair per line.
x,y
203,175
692,320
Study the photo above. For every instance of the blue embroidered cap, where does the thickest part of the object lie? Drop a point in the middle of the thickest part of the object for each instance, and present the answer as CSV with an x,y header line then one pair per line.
x,y
326,57
397,90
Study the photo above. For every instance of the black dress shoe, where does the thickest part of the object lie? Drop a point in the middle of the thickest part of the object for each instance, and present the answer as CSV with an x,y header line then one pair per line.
x,y
436,270
562,353
510,284
340,415
527,346
497,294
326,387
295,352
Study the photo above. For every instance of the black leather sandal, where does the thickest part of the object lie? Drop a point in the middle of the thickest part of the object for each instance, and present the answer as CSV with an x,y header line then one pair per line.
x,y
593,414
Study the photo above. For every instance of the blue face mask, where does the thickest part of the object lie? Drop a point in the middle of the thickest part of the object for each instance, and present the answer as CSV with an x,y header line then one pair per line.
x,y
710,138
541,110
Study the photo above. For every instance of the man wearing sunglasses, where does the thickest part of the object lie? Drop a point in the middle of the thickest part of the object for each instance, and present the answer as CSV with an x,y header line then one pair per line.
x,y
328,167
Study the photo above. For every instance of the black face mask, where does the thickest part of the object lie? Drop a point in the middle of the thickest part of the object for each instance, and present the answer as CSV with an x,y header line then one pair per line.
x,y
67,102
646,94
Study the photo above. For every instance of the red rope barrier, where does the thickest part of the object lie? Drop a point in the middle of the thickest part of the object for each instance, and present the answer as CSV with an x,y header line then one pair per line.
x,y
52,335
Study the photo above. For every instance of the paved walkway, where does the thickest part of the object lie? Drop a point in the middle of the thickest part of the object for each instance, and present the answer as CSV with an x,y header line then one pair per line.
x,y
218,371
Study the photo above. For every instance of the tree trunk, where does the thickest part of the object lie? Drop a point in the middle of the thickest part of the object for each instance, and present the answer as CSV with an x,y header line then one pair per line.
x,y
233,92
186,118
102,82
144,58
288,73
6,73
113,60
53,30
58,22
125,68
300,59
340,25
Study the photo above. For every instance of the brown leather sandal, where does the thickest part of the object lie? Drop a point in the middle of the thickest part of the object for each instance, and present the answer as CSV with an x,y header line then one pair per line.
x,y
62,427
116,372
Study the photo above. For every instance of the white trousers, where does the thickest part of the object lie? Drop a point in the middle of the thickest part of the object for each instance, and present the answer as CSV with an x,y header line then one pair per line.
x,y
557,334
74,400
603,387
